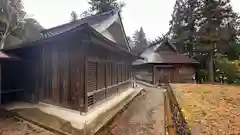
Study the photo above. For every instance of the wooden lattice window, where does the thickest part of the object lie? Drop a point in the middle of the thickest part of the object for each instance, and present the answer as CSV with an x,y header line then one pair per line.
x,y
92,76
101,75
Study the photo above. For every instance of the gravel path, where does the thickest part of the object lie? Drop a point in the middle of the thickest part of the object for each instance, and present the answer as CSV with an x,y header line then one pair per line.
x,y
143,116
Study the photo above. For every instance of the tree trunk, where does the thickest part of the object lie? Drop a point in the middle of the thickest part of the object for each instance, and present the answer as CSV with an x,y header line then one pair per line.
x,y
210,68
4,37
2,41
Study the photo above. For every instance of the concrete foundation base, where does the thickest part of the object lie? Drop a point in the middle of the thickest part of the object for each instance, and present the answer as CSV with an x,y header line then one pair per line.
x,y
70,121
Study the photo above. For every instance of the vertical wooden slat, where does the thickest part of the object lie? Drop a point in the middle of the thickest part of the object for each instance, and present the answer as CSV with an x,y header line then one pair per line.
x,y
37,73
85,80
116,73
105,80
50,73
70,75
63,75
58,61
46,75
66,86
122,73
119,73
74,82
42,95
55,75
82,96
80,75
97,75
0,85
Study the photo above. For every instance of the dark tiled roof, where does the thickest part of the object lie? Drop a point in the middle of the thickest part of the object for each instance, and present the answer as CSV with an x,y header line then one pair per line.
x,y
100,22
94,21
155,56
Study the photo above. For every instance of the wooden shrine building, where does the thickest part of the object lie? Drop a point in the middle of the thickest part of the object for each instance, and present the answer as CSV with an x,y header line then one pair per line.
x,y
78,64
163,63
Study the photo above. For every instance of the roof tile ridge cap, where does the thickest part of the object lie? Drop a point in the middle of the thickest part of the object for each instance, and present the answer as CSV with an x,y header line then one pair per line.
x,y
81,25
99,14
154,44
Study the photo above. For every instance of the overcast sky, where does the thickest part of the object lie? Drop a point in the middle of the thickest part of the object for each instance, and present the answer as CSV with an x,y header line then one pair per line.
x,y
152,15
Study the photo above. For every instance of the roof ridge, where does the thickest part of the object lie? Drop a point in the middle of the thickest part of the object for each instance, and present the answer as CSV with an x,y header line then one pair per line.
x,y
99,14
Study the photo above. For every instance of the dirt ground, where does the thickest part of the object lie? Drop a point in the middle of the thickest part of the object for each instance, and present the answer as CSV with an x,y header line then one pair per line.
x,y
143,116
10,125
211,109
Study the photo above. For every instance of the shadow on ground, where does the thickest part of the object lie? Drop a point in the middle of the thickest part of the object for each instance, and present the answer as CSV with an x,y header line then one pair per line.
x,y
10,125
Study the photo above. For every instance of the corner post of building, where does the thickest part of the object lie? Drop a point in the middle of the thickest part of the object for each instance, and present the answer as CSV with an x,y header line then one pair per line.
x,y
153,75
105,80
86,76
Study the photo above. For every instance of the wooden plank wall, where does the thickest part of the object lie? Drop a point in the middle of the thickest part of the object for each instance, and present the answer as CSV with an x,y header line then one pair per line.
x,y
62,75
74,76
108,73
174,74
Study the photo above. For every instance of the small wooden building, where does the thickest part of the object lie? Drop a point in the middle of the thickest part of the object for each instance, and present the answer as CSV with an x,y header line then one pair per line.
x,y
77,64
163,63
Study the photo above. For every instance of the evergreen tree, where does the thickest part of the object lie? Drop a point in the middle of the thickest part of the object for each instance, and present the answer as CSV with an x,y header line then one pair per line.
x,y
202,28
130,42
74,16
140,41
177,24
99,6
183,24
216,16
85,14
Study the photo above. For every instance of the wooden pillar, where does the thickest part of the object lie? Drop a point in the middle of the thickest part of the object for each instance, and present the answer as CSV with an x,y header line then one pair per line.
x,y
105,79
85,84
0,85
153,75
87,44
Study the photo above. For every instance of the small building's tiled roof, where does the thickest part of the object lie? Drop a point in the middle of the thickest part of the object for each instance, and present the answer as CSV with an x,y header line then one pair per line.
x,y
155,56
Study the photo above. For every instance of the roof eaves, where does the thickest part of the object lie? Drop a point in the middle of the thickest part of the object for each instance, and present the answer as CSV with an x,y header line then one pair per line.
x,y
111,42
124,32
172,45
